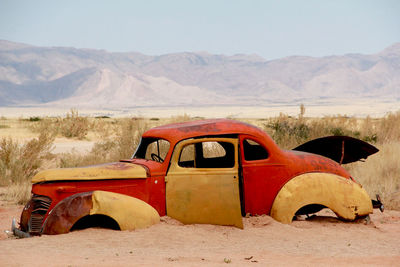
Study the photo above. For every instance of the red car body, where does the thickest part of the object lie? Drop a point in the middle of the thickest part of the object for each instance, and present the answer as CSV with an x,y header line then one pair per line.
x,y
261,178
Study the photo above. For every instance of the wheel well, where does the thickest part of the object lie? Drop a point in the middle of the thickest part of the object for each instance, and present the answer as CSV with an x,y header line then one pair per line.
x,y
309,209
96,220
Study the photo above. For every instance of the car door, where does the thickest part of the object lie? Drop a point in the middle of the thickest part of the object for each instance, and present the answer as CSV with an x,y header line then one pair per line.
x,y
202,184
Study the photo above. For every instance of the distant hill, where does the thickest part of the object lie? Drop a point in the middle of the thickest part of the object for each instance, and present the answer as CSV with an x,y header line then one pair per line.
x,y
59,76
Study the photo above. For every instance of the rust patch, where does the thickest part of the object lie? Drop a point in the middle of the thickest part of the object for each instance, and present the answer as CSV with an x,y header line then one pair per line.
x,y
319,164
148,174
206,128
67,212
118,166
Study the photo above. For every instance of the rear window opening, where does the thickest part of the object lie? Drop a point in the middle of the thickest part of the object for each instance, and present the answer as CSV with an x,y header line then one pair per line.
x,y
253,150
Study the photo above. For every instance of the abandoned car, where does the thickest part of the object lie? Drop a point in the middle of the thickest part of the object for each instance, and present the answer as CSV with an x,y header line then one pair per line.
x,y
207,171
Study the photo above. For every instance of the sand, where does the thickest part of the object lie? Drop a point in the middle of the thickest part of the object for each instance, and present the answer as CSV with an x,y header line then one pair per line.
x,y
321,241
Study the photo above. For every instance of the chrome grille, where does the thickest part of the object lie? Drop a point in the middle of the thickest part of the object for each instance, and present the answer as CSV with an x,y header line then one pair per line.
x,y
41,205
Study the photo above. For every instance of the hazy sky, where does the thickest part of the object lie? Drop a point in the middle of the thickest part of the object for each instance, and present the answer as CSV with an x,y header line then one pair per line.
x,y
271,29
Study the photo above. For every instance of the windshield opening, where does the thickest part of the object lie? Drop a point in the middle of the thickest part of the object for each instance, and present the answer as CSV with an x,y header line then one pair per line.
x,y
154,149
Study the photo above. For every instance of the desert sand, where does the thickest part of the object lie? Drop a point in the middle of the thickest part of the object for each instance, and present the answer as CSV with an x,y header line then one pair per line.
x,y
320,241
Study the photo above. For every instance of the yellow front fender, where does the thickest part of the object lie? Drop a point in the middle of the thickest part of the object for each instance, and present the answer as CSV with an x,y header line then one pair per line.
x,y
344,197
130,213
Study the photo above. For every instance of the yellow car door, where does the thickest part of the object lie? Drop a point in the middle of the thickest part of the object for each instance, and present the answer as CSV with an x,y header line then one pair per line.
x,y
202,184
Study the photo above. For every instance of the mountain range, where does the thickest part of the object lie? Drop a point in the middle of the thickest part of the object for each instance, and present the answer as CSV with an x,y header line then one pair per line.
x,y
70,77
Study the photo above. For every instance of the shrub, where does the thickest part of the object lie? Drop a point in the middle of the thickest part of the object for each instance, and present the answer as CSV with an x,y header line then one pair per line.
x,y
286,131
101,152
74,125
45,125
388,128
289,132
120,144
34,119
19,163
18,193
128,136
102,117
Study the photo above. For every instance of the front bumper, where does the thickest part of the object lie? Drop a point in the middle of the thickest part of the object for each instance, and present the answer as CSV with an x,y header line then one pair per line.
x,y
17,232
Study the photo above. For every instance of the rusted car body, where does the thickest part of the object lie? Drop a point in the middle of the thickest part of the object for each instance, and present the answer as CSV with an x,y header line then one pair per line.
x,y
208,171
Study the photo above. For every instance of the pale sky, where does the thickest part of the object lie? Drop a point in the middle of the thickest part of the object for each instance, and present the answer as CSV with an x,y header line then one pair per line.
x,y
271,29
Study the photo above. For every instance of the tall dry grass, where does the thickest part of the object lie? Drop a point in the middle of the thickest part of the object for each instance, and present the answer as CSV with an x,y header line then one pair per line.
x,y
20,162
122,140
71,126
289,132
17,193
119,139
74,125
380,174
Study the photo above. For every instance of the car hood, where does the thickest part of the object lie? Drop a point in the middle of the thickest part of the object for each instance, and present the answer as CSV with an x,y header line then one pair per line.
x,y
116,170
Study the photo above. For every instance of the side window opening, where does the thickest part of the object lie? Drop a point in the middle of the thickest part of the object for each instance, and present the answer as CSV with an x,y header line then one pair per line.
x,y
186,158
209,154
213,150
253,150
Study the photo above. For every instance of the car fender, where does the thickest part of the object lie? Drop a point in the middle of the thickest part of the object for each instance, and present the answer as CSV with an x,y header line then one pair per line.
x,y
130,213
344,197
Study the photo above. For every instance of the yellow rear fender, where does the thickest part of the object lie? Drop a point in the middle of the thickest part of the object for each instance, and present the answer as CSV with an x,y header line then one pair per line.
x,y
348,200
128,212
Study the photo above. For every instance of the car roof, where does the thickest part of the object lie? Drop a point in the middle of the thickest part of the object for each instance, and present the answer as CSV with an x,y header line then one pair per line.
x,y
179,131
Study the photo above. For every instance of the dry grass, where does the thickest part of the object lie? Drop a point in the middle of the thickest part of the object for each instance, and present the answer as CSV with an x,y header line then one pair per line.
x,y
122,140
380,174
118,138
290,132
18,163
74,125
71,126
17,128
17,193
